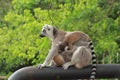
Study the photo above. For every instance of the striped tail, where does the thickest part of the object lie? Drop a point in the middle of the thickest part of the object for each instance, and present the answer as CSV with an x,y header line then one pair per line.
x,y
93,72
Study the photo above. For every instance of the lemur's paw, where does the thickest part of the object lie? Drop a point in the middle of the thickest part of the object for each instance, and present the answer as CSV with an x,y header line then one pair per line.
x,y
66,66
40,66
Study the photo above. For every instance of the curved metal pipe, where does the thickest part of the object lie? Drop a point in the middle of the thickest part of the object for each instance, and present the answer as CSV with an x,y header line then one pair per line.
x,y
58,73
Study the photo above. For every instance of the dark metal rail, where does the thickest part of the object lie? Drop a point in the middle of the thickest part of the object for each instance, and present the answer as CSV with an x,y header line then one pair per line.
x,y
58,73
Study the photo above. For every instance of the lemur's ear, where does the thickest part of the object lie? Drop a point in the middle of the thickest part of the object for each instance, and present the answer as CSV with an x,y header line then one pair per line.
x,y
54,31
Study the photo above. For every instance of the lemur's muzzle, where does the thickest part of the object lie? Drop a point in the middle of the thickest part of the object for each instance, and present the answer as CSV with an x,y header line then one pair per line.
x,y
42,35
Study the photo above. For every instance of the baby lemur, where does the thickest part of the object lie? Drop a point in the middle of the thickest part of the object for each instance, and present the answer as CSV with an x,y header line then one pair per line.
x,y
71,39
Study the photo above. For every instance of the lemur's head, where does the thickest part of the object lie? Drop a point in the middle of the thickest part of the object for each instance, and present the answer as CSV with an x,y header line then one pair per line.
x,y
48,31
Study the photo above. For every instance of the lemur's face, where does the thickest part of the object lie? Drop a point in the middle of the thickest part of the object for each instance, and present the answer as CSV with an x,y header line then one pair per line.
x,y
47,31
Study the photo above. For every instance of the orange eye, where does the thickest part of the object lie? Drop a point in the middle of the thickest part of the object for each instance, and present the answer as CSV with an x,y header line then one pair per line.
x,y
48,29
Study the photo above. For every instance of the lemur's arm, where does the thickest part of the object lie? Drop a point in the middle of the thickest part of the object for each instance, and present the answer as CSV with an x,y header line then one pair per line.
x,y
52,53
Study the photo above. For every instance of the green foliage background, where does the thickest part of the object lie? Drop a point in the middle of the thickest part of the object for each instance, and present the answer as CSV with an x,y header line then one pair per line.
x,y
21,22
